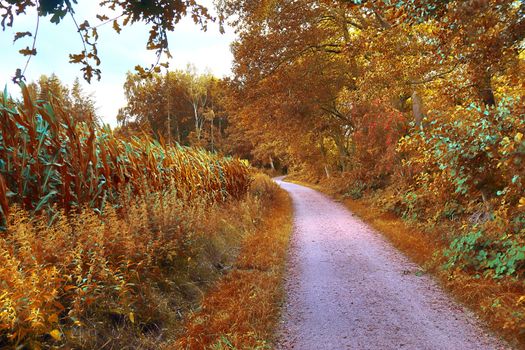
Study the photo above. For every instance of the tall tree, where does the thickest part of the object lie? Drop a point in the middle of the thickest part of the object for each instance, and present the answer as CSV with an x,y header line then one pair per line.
x,y
336,61
182,105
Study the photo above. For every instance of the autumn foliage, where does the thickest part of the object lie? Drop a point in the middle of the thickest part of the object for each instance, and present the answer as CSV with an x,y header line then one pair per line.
x,y
415,106
407,101
97,228
241,311
50,161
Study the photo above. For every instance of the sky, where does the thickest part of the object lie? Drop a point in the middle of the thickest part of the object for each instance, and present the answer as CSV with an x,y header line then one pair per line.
x,y
119,53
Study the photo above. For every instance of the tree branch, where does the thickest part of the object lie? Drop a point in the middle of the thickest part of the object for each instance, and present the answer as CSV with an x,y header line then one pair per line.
x,y
22,76
435,76
381,20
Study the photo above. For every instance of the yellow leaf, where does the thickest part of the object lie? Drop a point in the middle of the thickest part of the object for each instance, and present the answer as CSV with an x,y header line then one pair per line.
x,y
520,300
55,333
132,317
518,137
522,202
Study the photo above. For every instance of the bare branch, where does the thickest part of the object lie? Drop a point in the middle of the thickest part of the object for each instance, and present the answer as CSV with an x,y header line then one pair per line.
x,y
32,49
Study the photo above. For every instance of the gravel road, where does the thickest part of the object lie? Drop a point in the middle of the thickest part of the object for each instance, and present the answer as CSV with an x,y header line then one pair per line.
x,y
348,288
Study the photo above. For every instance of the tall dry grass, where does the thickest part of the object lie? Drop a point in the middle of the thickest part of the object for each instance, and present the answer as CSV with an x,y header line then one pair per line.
x,y
49,161
243,308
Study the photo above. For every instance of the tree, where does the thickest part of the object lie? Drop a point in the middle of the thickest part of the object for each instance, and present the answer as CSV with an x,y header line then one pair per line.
x,y
179,104
83,105
195,92
339,60
79,105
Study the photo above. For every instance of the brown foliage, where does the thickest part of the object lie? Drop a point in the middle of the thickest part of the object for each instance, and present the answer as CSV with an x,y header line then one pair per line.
x,y
61,282
242,309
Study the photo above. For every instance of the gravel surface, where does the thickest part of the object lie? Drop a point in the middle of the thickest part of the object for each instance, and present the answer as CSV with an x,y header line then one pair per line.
x,y
348,288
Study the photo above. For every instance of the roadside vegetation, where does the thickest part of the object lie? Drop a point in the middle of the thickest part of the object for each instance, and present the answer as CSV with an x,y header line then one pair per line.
x,y
242,310
108,241
414,110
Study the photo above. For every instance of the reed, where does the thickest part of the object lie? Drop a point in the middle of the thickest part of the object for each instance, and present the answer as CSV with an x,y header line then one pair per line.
x,y
49,161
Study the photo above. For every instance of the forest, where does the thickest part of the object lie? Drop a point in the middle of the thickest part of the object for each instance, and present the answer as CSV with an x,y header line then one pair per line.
x,y
411,113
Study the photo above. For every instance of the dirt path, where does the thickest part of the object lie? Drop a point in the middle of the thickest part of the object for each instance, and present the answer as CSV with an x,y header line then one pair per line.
x,y
348,288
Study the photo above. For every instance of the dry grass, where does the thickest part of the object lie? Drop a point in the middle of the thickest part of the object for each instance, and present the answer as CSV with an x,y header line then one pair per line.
x,y
96,228
242,309
89,280
496,302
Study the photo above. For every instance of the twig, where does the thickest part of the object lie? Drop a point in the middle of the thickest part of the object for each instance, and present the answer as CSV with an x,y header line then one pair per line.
x,y
106,22
70,10
435,76
34,43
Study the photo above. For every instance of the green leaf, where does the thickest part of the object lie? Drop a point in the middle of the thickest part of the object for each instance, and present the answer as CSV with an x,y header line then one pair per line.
x,y
46,199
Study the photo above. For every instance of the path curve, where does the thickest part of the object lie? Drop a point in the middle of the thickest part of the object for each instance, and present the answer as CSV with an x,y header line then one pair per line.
x,y
348,288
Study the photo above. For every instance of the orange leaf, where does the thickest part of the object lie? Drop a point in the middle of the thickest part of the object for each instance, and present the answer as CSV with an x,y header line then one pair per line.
x,y
55,333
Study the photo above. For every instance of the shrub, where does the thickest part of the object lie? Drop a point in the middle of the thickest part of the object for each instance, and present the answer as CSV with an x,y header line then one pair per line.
x,y
470,164
264,187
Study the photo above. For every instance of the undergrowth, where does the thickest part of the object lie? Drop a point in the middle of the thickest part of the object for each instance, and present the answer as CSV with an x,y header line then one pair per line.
x,y
106,241
128,280
88,280
243,308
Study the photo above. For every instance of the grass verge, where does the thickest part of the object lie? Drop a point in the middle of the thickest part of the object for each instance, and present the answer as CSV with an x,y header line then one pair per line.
x,y
241,311
495,302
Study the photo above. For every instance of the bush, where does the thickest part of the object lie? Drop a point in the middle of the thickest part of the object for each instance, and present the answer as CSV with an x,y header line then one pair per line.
x,y
263,187
470,165
356,190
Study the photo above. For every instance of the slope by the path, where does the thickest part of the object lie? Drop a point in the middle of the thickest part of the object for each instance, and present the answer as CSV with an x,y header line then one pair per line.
x,y
348,288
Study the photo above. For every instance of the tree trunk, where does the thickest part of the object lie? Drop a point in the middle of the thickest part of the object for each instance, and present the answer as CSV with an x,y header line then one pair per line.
x,y
197,124
484,87
417,109
211,132
323,153
343,151
326,171
177,129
